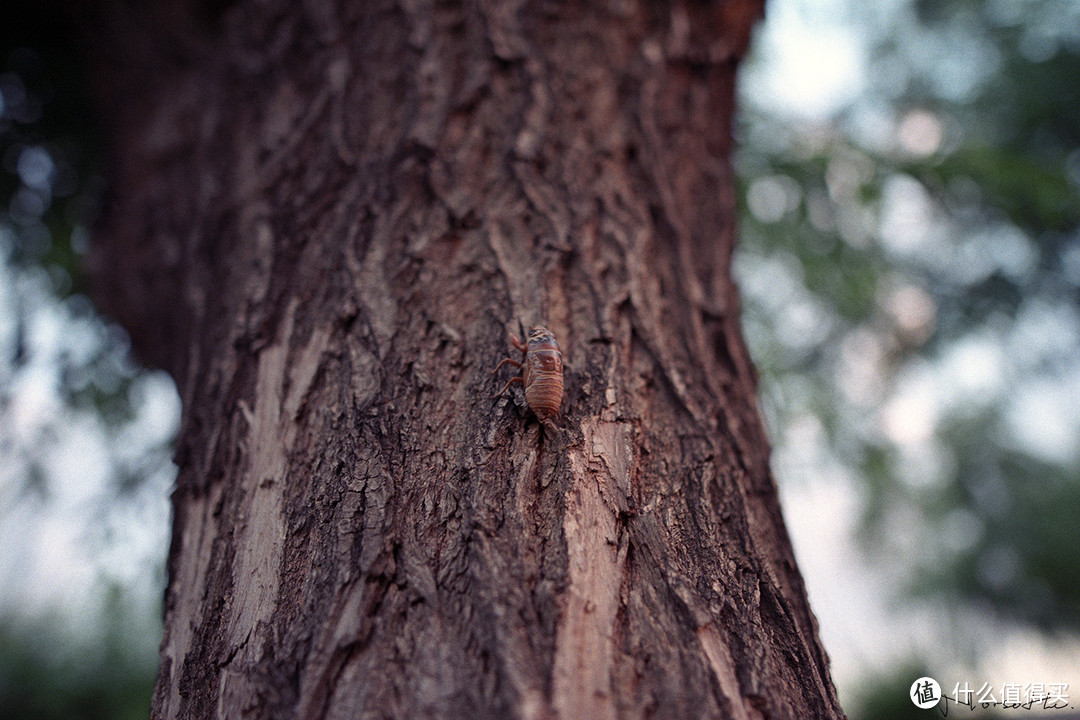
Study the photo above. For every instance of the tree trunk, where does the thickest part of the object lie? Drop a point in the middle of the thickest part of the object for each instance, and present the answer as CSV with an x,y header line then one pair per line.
x,y
326,221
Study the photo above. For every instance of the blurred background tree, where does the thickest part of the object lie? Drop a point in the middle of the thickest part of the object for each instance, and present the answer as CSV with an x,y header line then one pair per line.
x,y
910,266
85,433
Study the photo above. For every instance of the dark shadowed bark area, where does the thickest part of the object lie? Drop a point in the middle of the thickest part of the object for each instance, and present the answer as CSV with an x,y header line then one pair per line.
x,y
326,219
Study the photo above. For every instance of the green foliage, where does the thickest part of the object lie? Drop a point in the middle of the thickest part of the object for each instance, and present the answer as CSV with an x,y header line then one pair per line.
x,y
1033,193
886,697
45,675
1018,558
937,255
50,151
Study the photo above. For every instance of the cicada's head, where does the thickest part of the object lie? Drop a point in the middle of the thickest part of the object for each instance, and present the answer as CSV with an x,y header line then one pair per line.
x,y
540,338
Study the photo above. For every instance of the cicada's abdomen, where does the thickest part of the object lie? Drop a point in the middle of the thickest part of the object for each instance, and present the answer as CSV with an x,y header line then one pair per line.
x,y
543,374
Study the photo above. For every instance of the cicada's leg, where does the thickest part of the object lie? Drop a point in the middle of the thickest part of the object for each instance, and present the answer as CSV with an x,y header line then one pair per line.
x,y
506,361
511,381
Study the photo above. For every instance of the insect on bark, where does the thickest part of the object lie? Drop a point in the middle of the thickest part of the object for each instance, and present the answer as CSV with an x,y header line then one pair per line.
x,y
541,372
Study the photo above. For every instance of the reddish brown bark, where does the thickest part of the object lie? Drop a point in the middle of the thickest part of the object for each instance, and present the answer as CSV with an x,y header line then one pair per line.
x,y
327,218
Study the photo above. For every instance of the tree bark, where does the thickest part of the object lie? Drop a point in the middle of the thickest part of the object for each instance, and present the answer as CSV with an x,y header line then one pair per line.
x,y
326,220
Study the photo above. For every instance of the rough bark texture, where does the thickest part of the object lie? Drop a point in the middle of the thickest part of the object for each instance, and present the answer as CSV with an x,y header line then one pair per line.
x,y
326,219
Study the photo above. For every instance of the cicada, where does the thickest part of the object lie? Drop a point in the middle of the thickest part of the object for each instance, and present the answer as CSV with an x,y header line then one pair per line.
x,y
541,372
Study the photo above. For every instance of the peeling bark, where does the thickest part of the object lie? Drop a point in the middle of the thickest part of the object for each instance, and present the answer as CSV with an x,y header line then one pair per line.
x,y
327,218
